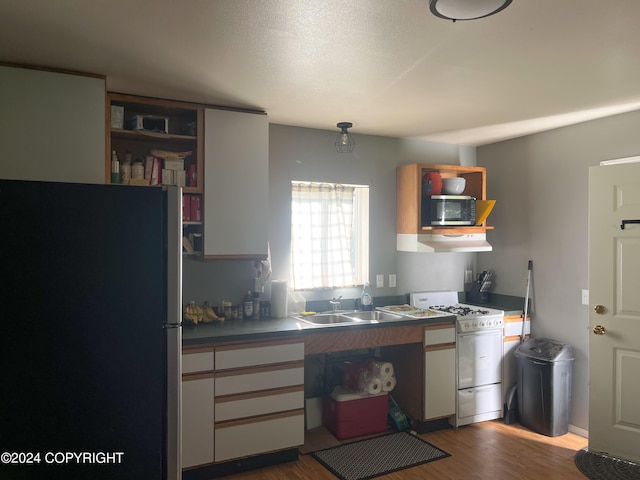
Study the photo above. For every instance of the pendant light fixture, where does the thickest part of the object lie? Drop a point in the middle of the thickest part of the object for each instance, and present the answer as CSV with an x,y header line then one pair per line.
x,y
466,9
345,142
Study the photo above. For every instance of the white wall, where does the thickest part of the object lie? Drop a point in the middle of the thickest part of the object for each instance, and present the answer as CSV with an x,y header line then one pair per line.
x,y
308,154
540,183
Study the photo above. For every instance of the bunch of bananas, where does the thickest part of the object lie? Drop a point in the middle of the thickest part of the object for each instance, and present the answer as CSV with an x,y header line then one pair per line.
x,y
209,315
194,314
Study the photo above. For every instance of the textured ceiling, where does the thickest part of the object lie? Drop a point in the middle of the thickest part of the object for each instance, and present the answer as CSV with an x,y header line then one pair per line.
x,y
388,66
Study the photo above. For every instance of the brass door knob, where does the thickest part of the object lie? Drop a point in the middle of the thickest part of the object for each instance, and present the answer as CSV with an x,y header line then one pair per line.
x,y
600,309
599,330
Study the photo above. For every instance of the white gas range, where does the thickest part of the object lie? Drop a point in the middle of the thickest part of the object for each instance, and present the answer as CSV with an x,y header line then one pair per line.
x,y
478,355
469,317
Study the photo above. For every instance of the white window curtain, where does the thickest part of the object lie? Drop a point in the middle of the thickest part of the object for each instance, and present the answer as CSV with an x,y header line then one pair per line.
x,y
322,224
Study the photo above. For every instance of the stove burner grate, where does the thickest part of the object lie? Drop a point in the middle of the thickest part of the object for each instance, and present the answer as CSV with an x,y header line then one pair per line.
x,y
459,310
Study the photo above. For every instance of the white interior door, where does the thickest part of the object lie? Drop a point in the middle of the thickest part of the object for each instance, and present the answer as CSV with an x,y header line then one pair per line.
x,y
614,318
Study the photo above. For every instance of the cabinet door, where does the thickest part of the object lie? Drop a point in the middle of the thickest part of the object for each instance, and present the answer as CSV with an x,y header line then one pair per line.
x,y
197,419
52,126
236,184
439,382
256,435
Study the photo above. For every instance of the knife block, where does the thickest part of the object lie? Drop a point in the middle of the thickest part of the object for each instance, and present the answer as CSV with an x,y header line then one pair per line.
x,y
474,295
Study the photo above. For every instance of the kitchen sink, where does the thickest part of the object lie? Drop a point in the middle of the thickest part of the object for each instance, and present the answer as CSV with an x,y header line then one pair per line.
x,y
330,319
373,315
348,317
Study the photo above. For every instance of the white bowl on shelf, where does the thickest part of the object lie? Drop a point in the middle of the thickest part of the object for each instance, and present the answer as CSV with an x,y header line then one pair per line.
x,y
453,185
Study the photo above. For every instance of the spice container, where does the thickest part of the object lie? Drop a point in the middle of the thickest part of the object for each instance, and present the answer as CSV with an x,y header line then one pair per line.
x,y
247,306
256,305
137,170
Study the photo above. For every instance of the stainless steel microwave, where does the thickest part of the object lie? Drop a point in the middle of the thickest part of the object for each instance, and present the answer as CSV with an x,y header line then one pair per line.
x,y
448,210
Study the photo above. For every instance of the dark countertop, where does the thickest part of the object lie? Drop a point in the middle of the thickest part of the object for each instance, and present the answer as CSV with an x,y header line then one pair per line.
x,y
247,330
510,304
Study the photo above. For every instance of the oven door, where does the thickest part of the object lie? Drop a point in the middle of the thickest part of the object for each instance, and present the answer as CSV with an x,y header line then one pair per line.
x,y
479,358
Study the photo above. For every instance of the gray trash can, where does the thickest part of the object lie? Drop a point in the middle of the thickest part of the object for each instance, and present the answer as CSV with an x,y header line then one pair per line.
x,y
545,371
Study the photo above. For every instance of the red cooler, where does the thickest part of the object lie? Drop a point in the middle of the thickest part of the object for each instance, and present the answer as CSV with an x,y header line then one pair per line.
x,y
347,414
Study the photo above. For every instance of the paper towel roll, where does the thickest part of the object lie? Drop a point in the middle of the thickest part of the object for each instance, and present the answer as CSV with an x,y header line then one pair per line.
x,y
381,369
369,384
279,299
388,384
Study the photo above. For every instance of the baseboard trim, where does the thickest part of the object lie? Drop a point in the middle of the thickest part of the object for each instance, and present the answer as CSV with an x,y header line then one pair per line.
x,y
579,431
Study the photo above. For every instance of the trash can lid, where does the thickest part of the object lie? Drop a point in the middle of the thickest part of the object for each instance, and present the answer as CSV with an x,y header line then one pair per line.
x,y
544,349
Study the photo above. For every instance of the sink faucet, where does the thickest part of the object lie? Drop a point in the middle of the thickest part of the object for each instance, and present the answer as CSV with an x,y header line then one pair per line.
x,y
335,303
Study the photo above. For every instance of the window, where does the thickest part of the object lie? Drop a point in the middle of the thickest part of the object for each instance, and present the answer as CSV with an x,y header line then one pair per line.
x,y
329,235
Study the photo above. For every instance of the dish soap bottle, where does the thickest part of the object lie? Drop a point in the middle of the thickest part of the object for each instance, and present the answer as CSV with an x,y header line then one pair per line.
x,y
366,299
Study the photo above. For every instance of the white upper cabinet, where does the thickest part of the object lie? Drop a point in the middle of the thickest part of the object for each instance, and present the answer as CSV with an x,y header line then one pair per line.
x,y
52,126
236,170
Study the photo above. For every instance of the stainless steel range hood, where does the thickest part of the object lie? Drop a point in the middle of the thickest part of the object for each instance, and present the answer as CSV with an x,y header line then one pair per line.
x,y
428,243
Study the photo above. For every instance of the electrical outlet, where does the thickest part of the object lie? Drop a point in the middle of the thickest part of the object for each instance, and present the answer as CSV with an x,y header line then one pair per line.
x,y
380,280
392,280
585,297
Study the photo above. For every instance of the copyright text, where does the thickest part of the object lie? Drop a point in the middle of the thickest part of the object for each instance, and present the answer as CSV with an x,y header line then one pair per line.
x,y
61,458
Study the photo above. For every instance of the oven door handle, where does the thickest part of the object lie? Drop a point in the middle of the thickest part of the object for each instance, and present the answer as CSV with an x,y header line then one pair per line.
x,y
475,333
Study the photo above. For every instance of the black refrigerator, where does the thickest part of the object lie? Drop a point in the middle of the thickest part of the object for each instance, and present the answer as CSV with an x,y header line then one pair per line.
x,y
90,302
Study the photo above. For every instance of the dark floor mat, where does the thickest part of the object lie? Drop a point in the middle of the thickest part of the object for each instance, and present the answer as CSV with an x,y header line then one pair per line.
x,y
377,456
602,467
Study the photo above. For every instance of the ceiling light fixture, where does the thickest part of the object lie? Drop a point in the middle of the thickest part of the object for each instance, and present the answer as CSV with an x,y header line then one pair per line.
x,y
466,9
345,142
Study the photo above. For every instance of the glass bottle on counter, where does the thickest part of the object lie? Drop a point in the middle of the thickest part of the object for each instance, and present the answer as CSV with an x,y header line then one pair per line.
x,y
247,306
366,299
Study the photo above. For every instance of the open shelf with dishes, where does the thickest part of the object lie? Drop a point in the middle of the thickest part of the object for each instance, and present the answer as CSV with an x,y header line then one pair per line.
x,y
413,233
409,190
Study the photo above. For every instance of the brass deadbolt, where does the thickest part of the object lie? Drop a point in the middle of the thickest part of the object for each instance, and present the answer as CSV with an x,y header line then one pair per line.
x,y
600,309
599,330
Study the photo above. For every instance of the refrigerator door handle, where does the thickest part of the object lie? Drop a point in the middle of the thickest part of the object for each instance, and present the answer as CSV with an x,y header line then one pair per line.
x,y
173,331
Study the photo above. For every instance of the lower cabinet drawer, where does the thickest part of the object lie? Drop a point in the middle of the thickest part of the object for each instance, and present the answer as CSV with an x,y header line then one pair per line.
x,y
259,403
259,378
259,435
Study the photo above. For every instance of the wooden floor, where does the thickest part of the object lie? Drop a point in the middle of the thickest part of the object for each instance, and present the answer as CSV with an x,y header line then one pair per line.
x,y
483,451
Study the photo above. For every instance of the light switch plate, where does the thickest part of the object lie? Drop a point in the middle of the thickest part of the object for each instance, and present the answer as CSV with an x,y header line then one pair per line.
x,y
392,280
380,280
585,297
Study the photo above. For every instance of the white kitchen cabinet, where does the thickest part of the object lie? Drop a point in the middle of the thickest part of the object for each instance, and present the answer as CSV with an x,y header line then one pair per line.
x,y
52,126
511,341
198,389
439,372
259,391
236,170
263,434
